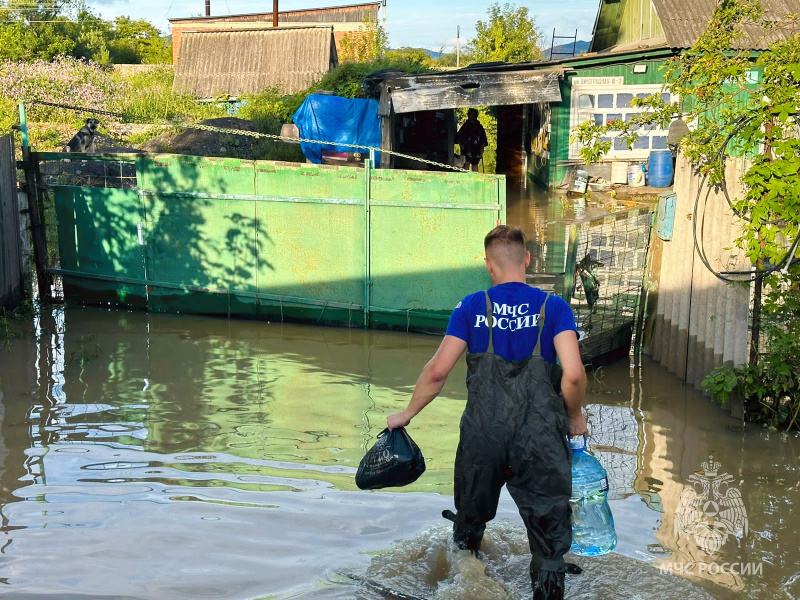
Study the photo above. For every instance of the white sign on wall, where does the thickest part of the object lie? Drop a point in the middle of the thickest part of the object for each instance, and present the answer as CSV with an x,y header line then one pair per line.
x,y
598,80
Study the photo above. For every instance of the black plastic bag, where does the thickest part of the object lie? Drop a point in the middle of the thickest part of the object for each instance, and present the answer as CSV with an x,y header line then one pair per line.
x,y
394,461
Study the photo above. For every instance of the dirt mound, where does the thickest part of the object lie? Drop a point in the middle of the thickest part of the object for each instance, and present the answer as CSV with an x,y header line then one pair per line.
x,y
198,142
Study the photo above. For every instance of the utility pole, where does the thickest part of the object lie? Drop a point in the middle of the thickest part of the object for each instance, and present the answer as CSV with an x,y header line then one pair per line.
x,y
458,45
208,8
274,13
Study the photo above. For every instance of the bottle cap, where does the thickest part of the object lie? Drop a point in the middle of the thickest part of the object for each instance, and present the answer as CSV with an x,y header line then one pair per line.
x,y
578,443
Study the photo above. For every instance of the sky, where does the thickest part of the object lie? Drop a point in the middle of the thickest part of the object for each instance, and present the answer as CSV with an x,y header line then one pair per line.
x,y
418,23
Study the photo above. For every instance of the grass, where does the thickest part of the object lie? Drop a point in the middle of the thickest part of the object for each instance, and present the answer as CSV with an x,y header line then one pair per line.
x,y
9,320
138,136
147,96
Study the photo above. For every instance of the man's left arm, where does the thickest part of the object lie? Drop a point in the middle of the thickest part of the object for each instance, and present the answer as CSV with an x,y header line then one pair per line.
x,y
431,381
573,379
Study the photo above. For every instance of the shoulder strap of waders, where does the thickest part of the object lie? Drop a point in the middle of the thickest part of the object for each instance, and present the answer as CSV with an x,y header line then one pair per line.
x,y
489,348
537,351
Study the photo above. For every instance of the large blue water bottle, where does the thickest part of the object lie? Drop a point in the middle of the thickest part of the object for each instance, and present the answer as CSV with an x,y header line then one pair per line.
x,y
592,524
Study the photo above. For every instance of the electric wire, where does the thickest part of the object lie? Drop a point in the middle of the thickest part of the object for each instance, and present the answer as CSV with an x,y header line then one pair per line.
x,y
751,275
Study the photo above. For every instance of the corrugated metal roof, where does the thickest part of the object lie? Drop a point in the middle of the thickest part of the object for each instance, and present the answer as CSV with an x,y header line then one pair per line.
x,y
459,89
349,13
684,20
233,63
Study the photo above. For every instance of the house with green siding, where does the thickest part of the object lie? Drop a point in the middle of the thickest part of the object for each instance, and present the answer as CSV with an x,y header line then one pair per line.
x,y
631,42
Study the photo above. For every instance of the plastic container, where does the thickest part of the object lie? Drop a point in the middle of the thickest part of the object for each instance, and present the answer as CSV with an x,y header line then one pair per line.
x,y
636,175
660,168
619,172
581,179
593,531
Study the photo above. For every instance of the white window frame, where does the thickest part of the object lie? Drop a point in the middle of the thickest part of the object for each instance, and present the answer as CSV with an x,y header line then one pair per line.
x,y
610,85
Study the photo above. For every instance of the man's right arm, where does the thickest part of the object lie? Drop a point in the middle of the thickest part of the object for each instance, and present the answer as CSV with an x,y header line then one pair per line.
x,y
573,379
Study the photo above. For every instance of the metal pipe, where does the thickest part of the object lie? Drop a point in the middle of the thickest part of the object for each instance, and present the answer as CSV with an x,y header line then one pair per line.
x,y
458,45
367,235
274,13
208,8
23,125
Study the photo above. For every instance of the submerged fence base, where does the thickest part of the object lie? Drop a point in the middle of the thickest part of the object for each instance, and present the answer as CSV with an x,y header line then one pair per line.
x,y
312,243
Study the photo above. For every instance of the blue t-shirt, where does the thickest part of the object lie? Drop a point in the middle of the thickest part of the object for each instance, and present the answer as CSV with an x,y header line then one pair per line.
x,y
516,308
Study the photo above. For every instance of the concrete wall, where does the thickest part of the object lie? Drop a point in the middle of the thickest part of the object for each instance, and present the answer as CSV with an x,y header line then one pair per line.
x,y
701,321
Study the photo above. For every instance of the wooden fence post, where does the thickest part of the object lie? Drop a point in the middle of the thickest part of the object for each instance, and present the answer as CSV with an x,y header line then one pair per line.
x,y
30,166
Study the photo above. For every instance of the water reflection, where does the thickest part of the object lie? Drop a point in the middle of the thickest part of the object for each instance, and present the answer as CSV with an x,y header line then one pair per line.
x,y
152,456
545,218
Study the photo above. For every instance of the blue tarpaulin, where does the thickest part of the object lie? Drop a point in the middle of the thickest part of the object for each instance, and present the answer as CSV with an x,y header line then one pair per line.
x,y
338,120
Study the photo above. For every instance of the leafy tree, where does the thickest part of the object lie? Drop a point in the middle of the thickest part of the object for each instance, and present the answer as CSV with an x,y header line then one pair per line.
x,y
92,36
34,29
411,56
451,59
28,41
370,42
738,116
45,29
138,41
509,35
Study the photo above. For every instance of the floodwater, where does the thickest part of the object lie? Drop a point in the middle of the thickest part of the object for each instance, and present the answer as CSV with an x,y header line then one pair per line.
x,y
181,457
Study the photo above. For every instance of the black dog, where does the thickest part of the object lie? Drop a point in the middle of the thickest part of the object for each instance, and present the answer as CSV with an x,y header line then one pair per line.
x,y
83,141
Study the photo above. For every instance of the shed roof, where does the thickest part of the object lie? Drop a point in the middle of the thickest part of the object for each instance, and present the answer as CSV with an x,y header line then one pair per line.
x,y
347,13
234,63
684,20
470,87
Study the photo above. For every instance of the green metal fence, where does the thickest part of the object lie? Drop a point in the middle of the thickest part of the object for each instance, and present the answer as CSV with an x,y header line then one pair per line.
x,y
338,245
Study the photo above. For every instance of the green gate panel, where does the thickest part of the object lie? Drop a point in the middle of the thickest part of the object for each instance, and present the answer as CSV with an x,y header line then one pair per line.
x,y
99,235
201,244
427,235
290,181
416,187
179,173
282,240
311,241
313,251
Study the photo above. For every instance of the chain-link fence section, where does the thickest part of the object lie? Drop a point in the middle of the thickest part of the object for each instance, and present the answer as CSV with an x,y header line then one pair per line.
x,y
610,260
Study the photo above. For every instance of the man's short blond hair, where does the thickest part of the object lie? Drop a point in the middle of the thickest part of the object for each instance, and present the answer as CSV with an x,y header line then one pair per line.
x,y
505,244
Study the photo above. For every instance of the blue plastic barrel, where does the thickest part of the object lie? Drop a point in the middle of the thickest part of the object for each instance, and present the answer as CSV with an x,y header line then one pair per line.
x,y
659,168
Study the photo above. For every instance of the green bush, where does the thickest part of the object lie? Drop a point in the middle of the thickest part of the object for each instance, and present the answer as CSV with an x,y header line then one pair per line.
x,y
345,80
270,109
769,387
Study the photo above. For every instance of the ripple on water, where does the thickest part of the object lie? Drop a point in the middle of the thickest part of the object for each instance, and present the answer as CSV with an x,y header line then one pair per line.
x,y
428,567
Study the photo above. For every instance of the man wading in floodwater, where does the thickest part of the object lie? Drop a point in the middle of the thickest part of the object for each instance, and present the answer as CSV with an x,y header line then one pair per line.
x,y
515,426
